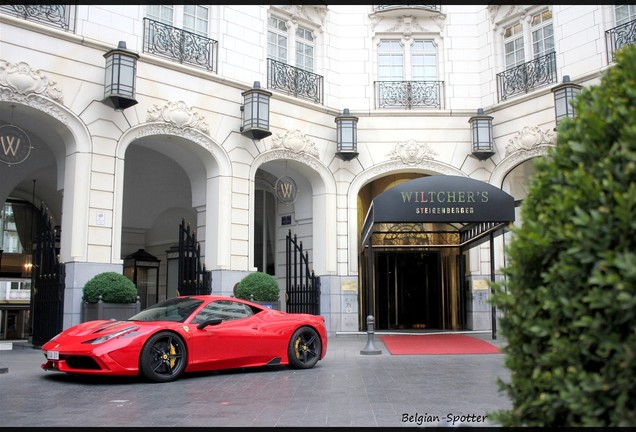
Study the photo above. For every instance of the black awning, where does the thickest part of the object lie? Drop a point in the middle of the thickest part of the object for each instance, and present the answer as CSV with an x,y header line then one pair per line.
x,y
472,207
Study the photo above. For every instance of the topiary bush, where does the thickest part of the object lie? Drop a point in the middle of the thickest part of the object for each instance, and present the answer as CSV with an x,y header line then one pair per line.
x,y
112,286
569,297
258,286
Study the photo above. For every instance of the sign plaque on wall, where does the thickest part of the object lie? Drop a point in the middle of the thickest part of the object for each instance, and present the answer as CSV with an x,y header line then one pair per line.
x,y
15,145
286,190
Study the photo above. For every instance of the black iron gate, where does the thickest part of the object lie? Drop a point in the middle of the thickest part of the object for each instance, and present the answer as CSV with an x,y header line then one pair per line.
x,y
193,277
302,286
47,282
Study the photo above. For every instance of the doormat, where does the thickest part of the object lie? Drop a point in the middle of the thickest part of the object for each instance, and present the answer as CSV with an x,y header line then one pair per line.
x,y
437,344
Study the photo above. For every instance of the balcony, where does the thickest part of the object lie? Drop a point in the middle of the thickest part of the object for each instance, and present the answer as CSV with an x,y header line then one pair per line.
x,y
409,94
58,16
294,81
382,8
618,37
180,45
526,77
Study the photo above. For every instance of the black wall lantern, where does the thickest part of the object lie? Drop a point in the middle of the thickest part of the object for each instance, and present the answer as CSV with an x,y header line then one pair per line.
x,y
121,74
347,135
481,132
564,94
255,112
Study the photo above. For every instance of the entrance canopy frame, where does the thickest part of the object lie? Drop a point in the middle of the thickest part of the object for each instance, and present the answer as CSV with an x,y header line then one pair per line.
x,y
476,210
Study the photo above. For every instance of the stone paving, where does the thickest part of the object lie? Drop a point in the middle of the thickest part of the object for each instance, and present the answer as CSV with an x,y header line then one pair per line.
x,y
345,389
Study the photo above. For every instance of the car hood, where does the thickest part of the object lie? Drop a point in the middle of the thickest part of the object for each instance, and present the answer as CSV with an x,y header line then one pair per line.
x,y
92,328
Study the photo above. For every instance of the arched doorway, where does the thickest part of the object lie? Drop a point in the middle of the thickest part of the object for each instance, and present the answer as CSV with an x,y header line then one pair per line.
x,y
412,249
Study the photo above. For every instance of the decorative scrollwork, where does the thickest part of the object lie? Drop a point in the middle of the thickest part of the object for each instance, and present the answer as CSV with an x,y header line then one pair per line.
x,y
180,45
527,76
411,152
24,80
294,81
409,94
60,16
618,37
179,115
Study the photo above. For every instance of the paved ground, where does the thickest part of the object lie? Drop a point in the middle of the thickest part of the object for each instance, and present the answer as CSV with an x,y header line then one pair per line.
x,y
347,388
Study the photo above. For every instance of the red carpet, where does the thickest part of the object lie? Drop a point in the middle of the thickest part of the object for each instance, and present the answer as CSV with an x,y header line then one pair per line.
x,y
437,344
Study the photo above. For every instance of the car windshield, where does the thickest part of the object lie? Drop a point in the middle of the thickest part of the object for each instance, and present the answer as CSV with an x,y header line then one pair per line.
x,y
174,309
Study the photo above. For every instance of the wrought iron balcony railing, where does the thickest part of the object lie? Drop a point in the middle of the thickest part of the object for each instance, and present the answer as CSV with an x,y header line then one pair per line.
x,y
526,77
294,81
183,46
618,37
59,16
379,8
409,94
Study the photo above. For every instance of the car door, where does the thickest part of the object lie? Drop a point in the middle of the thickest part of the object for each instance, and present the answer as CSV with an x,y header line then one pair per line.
x,y
235,342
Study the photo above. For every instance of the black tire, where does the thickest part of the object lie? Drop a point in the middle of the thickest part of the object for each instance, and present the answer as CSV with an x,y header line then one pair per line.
x,y
163,357
305,348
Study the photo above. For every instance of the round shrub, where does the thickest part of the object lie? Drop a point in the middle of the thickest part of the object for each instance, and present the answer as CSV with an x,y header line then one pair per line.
x,y
258,286
112,286
569,297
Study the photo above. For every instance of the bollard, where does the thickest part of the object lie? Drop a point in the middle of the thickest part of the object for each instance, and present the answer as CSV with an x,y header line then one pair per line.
x,y
370,349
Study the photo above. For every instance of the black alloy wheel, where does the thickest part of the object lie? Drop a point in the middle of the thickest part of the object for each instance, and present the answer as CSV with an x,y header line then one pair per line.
x,y
163,357
305,348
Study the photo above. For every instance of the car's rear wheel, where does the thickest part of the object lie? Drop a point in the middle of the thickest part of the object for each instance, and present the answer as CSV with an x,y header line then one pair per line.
x,y
305,348
163,357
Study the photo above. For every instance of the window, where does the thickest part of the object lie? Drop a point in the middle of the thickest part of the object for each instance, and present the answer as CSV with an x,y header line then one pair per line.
x,y
161,13
192,18
278,36
421,55
277,39
624,14
390,61
195,19
225,310
513,46
304,49
542,34
424,60
539,33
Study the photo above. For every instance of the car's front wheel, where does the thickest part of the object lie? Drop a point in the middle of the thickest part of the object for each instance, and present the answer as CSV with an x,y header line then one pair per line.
x,y
305,348
163,357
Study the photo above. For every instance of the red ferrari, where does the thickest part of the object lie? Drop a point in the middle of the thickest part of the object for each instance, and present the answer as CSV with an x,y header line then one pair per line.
x,y
189,334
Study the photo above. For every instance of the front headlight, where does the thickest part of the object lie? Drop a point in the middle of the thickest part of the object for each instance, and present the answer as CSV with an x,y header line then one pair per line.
x,y
103,339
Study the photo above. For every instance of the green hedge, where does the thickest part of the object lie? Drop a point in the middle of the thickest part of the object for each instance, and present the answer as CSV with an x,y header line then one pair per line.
x,y
569,300
258,286
112,286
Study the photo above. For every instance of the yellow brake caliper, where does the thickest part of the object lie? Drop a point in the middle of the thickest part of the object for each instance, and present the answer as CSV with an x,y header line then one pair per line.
x,y
173,359
297,346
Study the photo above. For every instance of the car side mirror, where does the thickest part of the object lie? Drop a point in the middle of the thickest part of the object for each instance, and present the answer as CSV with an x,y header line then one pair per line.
x,y
214,321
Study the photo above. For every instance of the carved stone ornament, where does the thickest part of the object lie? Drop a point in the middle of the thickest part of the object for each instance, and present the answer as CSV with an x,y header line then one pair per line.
x,y
411,152
313,13
529,138
179,115
24,80
296,142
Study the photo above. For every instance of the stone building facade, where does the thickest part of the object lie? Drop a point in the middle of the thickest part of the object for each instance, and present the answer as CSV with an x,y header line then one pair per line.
x,y
115,181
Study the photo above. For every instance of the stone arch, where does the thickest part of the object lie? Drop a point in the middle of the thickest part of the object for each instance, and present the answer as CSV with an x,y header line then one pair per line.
x,y
528,143
324,203
511,161
44,105
210,172
426,166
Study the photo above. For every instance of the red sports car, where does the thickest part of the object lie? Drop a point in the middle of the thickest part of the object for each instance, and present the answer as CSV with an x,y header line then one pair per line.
x,y
189,334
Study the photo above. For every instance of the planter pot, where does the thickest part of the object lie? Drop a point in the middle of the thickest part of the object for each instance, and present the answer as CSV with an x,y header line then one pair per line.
x,y
270,304
105,311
